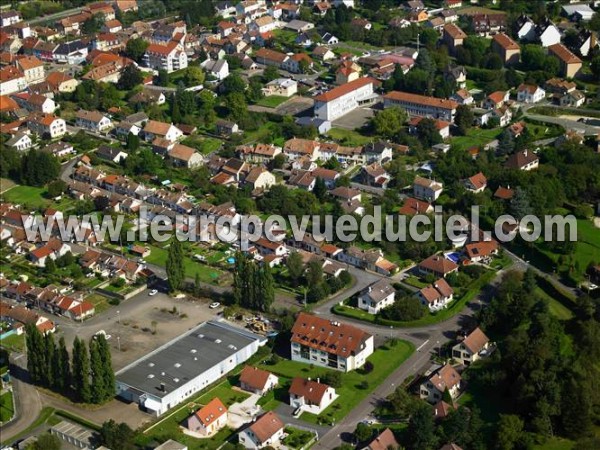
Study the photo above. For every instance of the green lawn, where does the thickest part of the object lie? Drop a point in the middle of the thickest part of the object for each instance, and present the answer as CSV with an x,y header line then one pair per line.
x,y
272,101
32,197
352,391
560,311
297,438
99,301
7,408
14,342
428,319
158,256
475,137
348,137
204,145
44,417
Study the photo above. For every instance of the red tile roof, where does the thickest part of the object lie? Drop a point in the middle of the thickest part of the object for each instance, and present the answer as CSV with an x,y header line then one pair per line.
x,y
265,427
254,377
505,42
422,100
312,391
345,89
211,411
564,54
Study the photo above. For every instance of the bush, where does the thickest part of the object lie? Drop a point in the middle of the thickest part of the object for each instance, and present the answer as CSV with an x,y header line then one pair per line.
x,y
368,367
114,301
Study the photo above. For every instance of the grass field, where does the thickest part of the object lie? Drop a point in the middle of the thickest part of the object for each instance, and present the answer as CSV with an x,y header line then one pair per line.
x,y
475,137
348,137
158,256
353,388
272,101
204,145
14,342
30,196
7,408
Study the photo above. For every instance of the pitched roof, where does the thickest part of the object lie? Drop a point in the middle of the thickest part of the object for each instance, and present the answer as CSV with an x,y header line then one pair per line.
x,y
385,441
312,391
478,180
379,290
414,206
93,116
445,378
210,412
476,340
156,127
182,152
497,97
345,89
265,427
564,54
481,248
272,55
427,183
254,377
505,42
438,264
521,159
164,50
504,193
29,62
454,31
531,88
421,100
438,290
330,336
345,192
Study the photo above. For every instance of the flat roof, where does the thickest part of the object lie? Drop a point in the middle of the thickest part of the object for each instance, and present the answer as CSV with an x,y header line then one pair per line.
x,y
76,432
185,358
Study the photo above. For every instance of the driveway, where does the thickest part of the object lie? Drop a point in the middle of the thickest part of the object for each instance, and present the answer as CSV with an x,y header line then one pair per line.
x,y
285,414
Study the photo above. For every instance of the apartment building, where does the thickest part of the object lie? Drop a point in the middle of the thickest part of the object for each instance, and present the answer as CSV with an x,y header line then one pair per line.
x,y
421,105
169,57
47,124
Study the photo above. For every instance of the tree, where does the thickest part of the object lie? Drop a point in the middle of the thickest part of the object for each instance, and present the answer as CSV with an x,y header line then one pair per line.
x,y
428,132
97,387
136,48
47,441
107,370
175,110
130,78
333,379
595,65
39,168
81,371
234,83
506,143
163,77
117,436
63,366
101,203
295,267
510,431
519,204
270,73
389,122
464,119
194,76
174,265
421,429
56,188
35,352
320,189
93,24
133,142
363,432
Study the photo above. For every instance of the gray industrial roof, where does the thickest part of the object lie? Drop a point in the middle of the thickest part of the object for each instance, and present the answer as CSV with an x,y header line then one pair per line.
x,y
185,358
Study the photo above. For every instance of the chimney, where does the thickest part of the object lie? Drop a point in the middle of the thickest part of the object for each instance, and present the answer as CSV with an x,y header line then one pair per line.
x,y
525,153
318,380
162,387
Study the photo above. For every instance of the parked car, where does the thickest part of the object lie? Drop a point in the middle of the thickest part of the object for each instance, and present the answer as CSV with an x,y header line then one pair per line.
x,y
153,292
214,305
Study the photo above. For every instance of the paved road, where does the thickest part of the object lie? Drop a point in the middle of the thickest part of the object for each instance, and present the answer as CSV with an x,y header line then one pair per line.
x,y
56,16
566,123
28,403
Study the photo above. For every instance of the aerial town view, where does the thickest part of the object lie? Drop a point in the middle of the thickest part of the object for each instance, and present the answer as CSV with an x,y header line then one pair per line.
x,y
300,224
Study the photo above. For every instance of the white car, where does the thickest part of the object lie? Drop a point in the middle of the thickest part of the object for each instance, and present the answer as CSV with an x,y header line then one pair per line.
x,y
102,333
214,305
152,292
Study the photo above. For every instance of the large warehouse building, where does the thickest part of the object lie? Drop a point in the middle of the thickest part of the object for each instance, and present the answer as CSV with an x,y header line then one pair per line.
x,y
186,365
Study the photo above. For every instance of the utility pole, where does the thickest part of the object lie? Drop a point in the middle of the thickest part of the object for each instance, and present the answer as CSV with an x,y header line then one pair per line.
x,y
119,343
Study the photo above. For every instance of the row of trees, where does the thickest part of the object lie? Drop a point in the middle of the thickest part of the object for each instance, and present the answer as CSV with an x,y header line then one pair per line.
x,y
85,374
253,285
34,168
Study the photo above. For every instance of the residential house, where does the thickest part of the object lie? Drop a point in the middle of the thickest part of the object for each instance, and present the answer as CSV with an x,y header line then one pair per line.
x,y
209,419
184,156
383,441
573,99
481,251
284,87
59,149
441,380
585,43
52,249
453,37
266,431
112,154
422,106
32,68
570,65
426,189
168,131
270,57
20,141
257,381
10,17
457,75
302,179
438,265
311,396
372,260
413,206
547,33
508,49
442,127
299,26
377,296
529,93
226,128
259,178
524,160
436,296
328,176
496,100
488,24
525,28
169,57
346,194
374,175
297,63
11,80
123,129
379,152
62,82
93,121
504,193
73,52
329,39
341,100
218,69
47,125
471,348
347,72
35,103
259,153
323,53
476,184
463,97
332,344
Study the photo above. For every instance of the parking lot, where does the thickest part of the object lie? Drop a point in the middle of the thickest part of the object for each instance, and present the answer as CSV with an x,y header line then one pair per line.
x,y
141,324
295,105
355,119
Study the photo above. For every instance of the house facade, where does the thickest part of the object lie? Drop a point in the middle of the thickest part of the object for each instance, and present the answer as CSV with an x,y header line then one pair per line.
x,y
377,296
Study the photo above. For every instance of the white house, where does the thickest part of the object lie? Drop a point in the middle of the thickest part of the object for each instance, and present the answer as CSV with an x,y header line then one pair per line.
x,y
377,296
209,419
19,141
529,93
266,431
93,121
168,131
332,344
341,100
476,184
218,69
11,80
311,396
257,381
47,124
32,68
426,189
436,296
440,380
547,33
260,178
169,57
471,348
284,87
184,156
